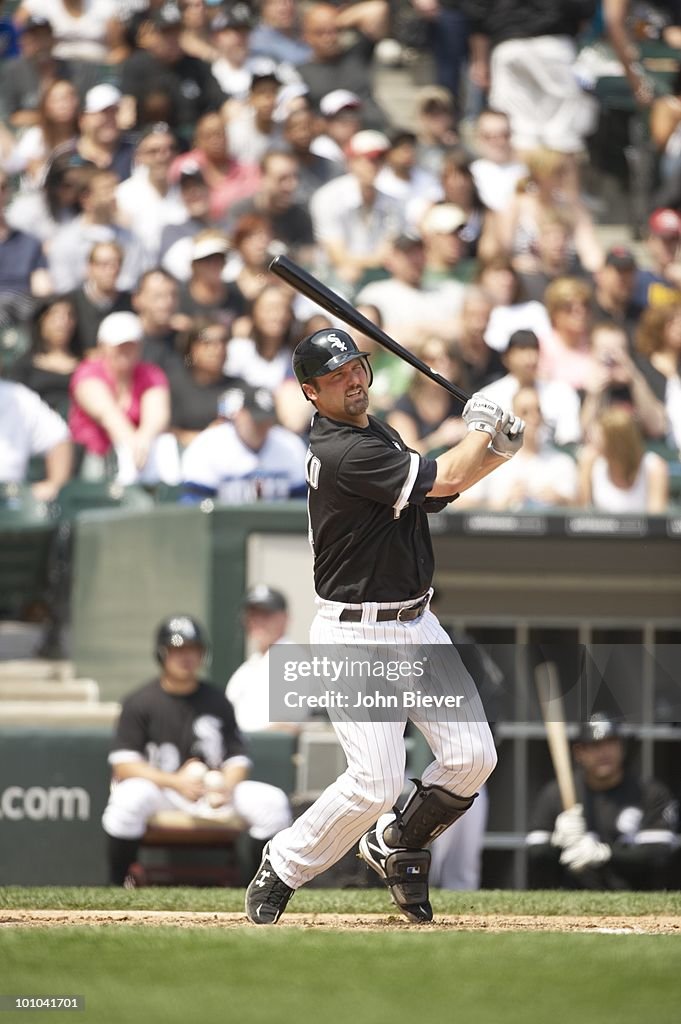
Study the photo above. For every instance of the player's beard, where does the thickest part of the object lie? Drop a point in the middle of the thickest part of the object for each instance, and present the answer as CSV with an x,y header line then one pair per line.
x,y
356,404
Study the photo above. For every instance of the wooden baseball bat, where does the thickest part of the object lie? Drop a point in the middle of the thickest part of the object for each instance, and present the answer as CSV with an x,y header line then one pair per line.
x,y
333,303
553,714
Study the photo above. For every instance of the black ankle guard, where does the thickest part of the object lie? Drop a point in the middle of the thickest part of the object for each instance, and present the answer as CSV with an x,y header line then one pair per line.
x,y
429,810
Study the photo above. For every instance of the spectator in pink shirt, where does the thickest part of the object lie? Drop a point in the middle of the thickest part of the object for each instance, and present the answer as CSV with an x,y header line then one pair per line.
x,y
120,409
228,179
566,350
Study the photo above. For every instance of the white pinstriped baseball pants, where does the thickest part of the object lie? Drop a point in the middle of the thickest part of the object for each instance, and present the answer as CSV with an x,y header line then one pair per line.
x,y
464,751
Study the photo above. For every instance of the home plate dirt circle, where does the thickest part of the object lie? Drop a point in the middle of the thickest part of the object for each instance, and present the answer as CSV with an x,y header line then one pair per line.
x,y
648,924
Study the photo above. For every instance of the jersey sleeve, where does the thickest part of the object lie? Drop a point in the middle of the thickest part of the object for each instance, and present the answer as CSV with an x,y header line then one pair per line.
x,y
660,820
234,743
544,816
397,478
131,737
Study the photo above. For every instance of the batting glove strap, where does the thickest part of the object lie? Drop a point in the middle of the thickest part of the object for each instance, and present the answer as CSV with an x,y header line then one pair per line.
x,y
482,414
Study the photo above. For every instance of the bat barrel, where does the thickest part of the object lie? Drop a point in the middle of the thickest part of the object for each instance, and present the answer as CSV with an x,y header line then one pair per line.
x,y
338,306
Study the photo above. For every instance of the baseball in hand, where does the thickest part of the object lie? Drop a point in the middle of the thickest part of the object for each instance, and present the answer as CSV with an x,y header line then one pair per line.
x,y
196,770
215,788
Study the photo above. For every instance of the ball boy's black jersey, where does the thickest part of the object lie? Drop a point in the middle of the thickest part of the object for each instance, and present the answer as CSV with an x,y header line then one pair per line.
x,y
635,811
167,729
368,527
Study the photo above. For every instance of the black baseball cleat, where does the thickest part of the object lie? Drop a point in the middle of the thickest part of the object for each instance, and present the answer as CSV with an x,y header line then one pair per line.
x,y
405,872
266,896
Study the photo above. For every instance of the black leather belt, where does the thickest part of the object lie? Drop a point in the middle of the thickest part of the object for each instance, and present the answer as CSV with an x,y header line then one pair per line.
x,y
408,614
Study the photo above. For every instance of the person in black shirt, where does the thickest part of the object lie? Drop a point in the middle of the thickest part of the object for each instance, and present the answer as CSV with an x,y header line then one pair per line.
x,y
332,66
198,381
49,364
166,729
621,834
164,83
369,496
98,295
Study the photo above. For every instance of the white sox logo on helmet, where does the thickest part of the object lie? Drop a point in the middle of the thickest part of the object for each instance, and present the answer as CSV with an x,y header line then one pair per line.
x,y
336,342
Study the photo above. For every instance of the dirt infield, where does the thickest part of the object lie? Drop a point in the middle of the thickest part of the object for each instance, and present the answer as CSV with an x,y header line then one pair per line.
x,y
641,925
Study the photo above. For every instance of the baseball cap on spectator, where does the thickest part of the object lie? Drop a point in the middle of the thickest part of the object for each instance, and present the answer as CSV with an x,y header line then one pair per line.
x,y
368,143
101,97
621,258
167,18
665,222
258,401
266,598
263,69
443,219
339,99
212,245
117,328
238,16
286,97
523,339
188,170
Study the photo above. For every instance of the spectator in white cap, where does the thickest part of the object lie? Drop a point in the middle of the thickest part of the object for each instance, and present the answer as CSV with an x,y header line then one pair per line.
x,y
444,247
101,141
342,114
206,294
120,409
354,221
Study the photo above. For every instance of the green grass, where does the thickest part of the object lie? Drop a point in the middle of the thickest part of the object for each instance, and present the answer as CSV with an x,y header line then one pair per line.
x,y
275,976
349,901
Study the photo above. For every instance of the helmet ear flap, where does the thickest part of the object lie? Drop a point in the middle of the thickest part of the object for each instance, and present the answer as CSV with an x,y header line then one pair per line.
x,y
369,370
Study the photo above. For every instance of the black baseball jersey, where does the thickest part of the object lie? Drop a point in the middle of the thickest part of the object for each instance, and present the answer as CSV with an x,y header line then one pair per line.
x,y
367,508
635,811
167,729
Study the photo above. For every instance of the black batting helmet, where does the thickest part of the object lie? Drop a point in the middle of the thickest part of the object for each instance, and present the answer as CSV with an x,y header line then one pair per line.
x,y
323,352
598,727
178,631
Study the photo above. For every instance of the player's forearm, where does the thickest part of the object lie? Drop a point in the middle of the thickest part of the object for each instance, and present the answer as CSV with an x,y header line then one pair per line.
x,y
144,770
462,466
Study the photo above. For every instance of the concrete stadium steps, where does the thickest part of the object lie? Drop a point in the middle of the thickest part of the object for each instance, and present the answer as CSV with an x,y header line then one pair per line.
x,y
62,713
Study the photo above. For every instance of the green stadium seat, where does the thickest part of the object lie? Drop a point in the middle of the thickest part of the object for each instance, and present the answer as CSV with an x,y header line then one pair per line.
x,y
84,495
27,528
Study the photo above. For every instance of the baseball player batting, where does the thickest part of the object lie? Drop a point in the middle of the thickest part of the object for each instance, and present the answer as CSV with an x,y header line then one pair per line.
x,y
369,496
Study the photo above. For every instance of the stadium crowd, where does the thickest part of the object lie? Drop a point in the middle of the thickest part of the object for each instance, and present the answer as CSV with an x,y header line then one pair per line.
x,y
154,157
